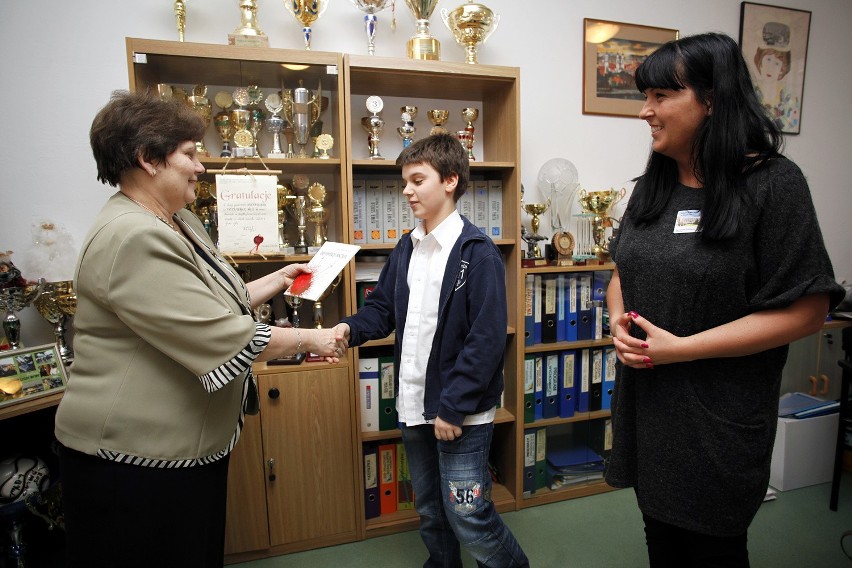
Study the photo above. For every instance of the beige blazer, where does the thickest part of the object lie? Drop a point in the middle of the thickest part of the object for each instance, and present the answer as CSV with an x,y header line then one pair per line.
x,y
152,316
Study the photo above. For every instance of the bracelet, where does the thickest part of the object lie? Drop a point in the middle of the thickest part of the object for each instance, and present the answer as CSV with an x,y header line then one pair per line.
x,y
299,347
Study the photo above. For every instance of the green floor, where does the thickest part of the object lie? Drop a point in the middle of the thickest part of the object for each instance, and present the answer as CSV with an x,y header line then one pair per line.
x,y
797,530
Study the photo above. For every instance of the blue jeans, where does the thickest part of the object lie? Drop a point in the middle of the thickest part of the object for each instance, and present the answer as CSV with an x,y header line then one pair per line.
x,y
452,495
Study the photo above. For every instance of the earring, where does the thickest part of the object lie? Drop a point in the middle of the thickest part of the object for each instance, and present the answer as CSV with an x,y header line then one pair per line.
x,y
153,172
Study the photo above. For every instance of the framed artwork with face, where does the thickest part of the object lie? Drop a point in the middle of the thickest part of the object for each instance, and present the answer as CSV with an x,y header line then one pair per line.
x,y
774,42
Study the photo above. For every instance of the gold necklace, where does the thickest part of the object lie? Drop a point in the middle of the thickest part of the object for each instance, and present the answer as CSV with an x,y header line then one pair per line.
x,y
148,209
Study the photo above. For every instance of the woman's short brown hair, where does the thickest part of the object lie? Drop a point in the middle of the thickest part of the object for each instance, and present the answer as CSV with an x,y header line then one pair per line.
x,y
131,124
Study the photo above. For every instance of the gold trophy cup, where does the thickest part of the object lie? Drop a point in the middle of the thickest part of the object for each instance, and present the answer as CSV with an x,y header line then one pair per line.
x,y
469,115
534,256
471,24
438,117
248,33
406,131
180,17
199,102
56,312
306,12
318,213
596,206
422,45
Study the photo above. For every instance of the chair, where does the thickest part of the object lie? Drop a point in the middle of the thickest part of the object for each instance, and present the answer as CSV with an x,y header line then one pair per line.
x,y
845,416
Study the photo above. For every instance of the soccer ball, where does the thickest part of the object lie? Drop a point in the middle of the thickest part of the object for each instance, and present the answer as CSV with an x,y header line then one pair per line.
x,y
21,476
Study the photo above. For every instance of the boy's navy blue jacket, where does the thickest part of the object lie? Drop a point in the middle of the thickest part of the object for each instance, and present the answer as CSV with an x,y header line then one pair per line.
x,y
465,371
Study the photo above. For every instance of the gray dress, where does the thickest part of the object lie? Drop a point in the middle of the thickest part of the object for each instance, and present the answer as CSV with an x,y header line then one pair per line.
x,y
696,438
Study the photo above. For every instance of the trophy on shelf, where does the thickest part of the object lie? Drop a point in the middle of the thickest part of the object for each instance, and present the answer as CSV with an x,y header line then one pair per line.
x,y
286,198
294,302
299,211
248,33
406,131
438,117
596,206
318,213
316,124
240,120
371,21
180,17
373,125
222,121
306,12
469,115
324,143
302,109
534,256
318,312
275,124
12,301
255,126
557,179
471,23
422,45
57,313
199,102
164,91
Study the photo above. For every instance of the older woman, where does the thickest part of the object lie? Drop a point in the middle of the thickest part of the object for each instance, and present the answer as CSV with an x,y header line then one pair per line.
x,y
165,340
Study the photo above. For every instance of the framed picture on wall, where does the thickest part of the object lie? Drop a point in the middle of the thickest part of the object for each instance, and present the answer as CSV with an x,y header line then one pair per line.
x,y
774,42
611,53
30,372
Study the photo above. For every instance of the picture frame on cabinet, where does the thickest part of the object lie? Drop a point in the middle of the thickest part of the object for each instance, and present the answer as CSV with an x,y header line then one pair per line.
x,y
774,42
30,372
611,53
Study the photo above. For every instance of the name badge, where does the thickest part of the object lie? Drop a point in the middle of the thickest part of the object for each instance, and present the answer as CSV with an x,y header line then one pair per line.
x,y
687,221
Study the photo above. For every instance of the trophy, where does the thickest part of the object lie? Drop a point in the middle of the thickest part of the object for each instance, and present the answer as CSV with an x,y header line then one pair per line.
x,y
316,124
222,122
318,315
534,256
306,12
56,313
438,117
422,45
275,124
199,102
373,125
371,21
255,125
469,115
302,109
286,197
12,301
263,313
295,303
406,131
299,210
317,213
470,24
324,143
180,17
248,32
240,119
596,206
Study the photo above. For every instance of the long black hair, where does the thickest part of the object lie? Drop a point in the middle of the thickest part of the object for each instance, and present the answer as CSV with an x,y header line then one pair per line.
x,y
735,137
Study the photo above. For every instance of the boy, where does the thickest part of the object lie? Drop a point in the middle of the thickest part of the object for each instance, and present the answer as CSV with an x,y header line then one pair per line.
x,y
443,290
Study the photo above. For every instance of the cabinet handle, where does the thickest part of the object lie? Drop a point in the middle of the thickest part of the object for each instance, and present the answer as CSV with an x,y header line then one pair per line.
x,y
813,381
271,463
829,338
274,393
825,380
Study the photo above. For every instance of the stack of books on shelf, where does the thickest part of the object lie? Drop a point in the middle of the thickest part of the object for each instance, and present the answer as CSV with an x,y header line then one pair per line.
x,y
566,306
381,214
801,405
569,463
559,384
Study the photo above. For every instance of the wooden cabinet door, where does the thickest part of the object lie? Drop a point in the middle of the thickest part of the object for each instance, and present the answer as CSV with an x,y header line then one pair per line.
x,y
247,528
307,431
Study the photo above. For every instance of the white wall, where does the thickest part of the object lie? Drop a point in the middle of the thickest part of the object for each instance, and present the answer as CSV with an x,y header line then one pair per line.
x,y
60,61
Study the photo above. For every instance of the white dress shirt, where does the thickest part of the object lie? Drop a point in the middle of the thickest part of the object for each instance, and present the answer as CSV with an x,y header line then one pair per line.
x,y
425,276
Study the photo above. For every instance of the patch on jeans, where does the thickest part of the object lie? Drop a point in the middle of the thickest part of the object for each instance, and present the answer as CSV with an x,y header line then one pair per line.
x,y
465,496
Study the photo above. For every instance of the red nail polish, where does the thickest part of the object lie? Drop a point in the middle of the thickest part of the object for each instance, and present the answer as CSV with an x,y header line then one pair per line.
x,y
647,360
644,346
634,315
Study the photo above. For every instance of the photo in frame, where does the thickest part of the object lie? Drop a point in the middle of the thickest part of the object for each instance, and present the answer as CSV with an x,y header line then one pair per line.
x,y
774,42
30,372
611,53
